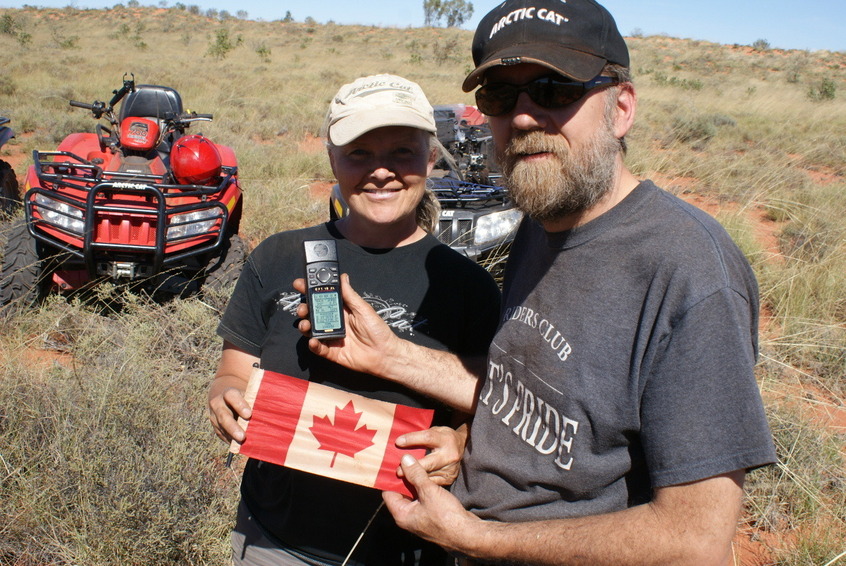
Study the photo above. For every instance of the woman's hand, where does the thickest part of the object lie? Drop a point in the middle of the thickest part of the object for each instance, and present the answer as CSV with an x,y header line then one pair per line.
x,y
226,404
226,394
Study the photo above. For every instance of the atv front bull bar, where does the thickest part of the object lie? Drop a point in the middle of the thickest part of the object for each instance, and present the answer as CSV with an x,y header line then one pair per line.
x,y
136,207
157,216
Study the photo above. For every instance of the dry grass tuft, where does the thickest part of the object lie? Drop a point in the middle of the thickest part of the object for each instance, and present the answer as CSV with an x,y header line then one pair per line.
x,y
107,457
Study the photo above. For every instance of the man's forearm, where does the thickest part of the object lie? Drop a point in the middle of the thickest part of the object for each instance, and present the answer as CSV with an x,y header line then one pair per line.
x,y
444,376
634,537
690,525
370,346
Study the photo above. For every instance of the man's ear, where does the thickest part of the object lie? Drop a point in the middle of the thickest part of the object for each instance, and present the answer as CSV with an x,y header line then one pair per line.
x,y
626,107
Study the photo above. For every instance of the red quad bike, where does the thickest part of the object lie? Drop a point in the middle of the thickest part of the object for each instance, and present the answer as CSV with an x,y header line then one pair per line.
x,y
138,202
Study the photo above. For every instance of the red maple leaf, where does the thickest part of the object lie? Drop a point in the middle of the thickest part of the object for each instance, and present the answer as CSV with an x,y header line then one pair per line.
x,y
342,437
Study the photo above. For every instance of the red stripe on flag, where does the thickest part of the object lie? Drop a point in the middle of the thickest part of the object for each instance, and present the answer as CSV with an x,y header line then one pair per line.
x,y
276,411
406,419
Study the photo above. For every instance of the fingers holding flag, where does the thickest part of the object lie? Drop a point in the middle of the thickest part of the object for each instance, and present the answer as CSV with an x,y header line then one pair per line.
x,y
444,447
226,402
435,514
224,411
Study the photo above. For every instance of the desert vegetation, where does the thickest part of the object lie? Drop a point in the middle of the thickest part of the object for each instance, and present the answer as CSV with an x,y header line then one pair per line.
x,y
106,456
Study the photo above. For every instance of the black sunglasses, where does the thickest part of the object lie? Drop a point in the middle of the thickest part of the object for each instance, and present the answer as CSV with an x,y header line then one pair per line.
x,y
550,91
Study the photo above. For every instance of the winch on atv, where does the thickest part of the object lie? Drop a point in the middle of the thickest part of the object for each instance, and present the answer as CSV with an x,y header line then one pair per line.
x,y
137,202
477,217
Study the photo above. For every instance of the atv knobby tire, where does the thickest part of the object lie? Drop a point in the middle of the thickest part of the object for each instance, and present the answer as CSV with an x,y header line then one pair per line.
x,y
224,269
10,198
25,277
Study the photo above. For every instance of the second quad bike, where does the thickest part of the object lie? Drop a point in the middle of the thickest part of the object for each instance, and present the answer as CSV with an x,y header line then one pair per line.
x,y
137,202
477,217
9,197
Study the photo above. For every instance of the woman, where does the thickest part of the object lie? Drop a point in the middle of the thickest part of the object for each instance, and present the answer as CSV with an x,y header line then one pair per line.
x,y
382,146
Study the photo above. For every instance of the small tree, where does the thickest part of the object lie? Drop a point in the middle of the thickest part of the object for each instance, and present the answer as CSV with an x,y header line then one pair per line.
x,y
454,12
431,12
825,90
223,44
457,12
761,45
8,25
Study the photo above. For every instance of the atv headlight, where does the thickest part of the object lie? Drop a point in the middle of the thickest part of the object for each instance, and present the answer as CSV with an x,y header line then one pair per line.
x,y
193,223
496,226
60,214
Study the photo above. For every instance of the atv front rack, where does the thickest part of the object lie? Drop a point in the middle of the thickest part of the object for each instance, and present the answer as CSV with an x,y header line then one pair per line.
x,y
100,216
82,174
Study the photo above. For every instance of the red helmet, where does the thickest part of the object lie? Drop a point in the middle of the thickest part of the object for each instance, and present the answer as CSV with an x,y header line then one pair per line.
x,y
195,161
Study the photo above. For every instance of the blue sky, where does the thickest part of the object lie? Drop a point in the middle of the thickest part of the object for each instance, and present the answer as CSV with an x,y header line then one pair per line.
x,y
787,24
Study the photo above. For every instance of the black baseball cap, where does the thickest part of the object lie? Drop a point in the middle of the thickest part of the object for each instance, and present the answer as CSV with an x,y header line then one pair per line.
x,y
575,38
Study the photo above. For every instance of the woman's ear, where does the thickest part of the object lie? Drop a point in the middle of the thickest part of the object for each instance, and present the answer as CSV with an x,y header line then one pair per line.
x,y
435,149
330,150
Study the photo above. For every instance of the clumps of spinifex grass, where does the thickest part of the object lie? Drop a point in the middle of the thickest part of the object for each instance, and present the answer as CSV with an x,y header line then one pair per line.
x,y
294,205
805,494
806,290
108,457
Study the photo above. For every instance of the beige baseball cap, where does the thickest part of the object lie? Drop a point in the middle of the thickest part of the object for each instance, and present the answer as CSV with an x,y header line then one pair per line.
x,y
375,102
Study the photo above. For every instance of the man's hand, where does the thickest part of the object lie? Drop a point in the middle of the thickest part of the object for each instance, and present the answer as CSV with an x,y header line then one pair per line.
x,y
370,346
685,525
435,515
369,341
445,447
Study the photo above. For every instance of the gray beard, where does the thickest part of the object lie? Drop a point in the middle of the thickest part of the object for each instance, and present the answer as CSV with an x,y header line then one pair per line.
x,y
571,182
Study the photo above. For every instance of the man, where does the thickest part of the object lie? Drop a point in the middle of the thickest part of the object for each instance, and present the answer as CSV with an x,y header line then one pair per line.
x,y
619,412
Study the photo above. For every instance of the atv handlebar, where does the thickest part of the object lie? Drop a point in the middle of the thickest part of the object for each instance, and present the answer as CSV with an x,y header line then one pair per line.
x,y
97,108
186,117
181,121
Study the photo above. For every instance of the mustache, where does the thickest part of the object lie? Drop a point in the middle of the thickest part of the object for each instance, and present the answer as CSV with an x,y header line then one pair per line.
x,y
526,143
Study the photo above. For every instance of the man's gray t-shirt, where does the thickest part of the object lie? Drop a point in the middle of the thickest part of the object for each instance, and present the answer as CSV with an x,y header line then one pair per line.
x,y
624,362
